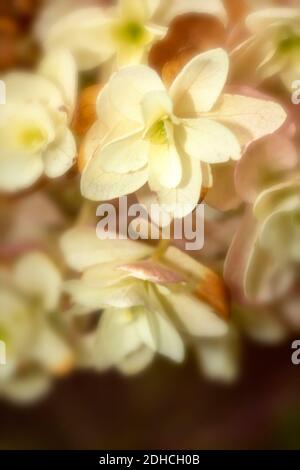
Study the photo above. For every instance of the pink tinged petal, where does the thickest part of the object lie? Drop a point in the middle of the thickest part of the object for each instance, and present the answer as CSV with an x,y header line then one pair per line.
x,y
263,164
153,272
264,18
238,255
209,141
198,86
223,196
249,118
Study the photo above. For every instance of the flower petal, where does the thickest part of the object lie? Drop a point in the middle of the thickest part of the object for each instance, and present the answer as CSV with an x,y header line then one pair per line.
x,y
249,118
60,156
59,67
86,33
98,185
209,141
114,105
36,275
125,155
82,249
198,86
165,168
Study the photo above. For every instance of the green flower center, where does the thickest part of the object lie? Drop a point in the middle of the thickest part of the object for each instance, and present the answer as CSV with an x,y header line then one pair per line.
x,y
31,138
289,43
157,134
132,33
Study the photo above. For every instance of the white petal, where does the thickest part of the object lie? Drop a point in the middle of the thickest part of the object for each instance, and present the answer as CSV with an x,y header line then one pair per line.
x,y
167,340
60,156
219,359
121,97
198,86
164,164
249,118
197,318
36,275
209,141
19,172
170,10
137,361
125,155
98,185
59,67
29,88
156,105
52,352
86,33
117,338
182,200
81,249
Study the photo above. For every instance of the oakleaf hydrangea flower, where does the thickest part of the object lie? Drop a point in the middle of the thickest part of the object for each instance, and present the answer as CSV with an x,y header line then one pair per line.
x,y
35,349
121,34
168,138
34,123
153,300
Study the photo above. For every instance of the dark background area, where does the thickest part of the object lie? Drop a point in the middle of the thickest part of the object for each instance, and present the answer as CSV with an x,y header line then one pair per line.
x,y
167,407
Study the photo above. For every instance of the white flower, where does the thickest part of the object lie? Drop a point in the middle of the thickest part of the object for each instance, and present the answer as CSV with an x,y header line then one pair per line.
x,y
168,138
274,46
34,133
29,301
123,33
261,262
151,300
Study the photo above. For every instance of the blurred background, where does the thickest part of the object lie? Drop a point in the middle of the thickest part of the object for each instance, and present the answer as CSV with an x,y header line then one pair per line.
x,y
166,407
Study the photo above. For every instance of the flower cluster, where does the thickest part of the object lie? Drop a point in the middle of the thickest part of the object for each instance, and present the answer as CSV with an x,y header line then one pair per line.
x,y
170,103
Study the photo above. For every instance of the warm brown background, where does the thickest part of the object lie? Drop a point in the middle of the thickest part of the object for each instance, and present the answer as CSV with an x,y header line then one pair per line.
x,y
167,407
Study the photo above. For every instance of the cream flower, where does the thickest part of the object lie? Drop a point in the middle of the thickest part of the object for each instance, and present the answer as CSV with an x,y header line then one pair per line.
x,y
123,33
274,46
35,350
169,138
261,261
34,133
152,299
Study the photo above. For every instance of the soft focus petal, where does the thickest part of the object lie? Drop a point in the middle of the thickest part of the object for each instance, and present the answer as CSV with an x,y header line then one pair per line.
x,y
197,87
82,248
60,156
209,141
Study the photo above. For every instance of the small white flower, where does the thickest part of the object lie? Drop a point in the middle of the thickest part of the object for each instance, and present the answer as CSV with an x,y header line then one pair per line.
x,y
168,138
34,133
274,45
150,299
124,33
29,300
